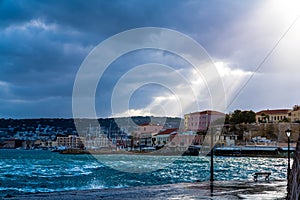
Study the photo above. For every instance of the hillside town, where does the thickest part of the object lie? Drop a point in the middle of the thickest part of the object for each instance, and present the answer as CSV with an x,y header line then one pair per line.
x,y
239,128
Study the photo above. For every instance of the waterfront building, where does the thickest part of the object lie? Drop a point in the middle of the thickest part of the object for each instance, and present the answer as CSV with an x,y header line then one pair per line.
x,y
146,132
28,143
272,116
72,141
146,139
8,144
97,142
227,140
37,143
186,121
165,136
199,121
149,128
294,114
185,139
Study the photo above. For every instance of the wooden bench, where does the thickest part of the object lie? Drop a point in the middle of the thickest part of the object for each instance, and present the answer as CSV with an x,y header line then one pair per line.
x,y
266,174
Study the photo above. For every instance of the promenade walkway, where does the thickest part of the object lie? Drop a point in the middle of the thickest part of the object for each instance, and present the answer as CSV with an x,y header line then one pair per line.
x,y
184,191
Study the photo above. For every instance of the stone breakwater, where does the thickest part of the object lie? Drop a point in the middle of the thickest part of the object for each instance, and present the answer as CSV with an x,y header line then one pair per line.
x,y
294,180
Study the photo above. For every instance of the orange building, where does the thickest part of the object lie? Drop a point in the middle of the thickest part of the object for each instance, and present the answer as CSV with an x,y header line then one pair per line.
x,y
272,116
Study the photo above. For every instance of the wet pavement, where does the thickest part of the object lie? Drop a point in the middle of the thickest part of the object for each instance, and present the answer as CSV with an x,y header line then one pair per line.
x,y
184,191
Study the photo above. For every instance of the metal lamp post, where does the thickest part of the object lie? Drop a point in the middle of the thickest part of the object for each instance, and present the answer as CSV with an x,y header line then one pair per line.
x,y
211,158
214,133
211,164
288,134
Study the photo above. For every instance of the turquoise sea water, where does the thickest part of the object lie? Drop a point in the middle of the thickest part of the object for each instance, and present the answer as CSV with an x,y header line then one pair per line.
x,y
35,171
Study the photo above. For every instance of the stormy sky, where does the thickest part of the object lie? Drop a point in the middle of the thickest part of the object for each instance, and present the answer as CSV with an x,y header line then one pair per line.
x,y
254,45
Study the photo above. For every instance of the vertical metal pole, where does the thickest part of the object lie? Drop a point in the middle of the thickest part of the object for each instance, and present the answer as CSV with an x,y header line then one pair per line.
x,y
289,157
211,164
211,159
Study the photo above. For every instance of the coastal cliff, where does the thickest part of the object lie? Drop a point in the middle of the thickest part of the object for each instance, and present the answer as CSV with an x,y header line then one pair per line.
x,y
294,180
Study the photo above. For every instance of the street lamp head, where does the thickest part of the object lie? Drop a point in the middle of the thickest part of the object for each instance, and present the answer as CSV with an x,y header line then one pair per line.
x,y
288,132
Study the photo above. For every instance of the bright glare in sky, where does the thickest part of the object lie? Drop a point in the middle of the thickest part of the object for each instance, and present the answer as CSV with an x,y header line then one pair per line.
x,y
289,10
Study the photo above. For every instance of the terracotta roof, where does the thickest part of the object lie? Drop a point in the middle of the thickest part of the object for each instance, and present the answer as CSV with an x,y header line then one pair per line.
x,y
273,112
167,131
147,124
209,112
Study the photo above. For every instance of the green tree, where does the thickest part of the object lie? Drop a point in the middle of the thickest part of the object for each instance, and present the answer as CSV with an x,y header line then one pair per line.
x,y
249,117
227,119
286,120
235,117
265,118
239,117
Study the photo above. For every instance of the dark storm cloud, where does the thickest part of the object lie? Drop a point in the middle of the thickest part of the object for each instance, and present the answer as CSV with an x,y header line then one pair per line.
x,y
42,43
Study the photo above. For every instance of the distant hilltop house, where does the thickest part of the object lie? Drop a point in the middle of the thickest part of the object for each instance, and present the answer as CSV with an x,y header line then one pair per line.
x,y
199,121
295,114
272,116
279,115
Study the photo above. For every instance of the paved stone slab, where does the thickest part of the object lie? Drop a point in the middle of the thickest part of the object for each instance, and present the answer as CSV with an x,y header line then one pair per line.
x,y
202,190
